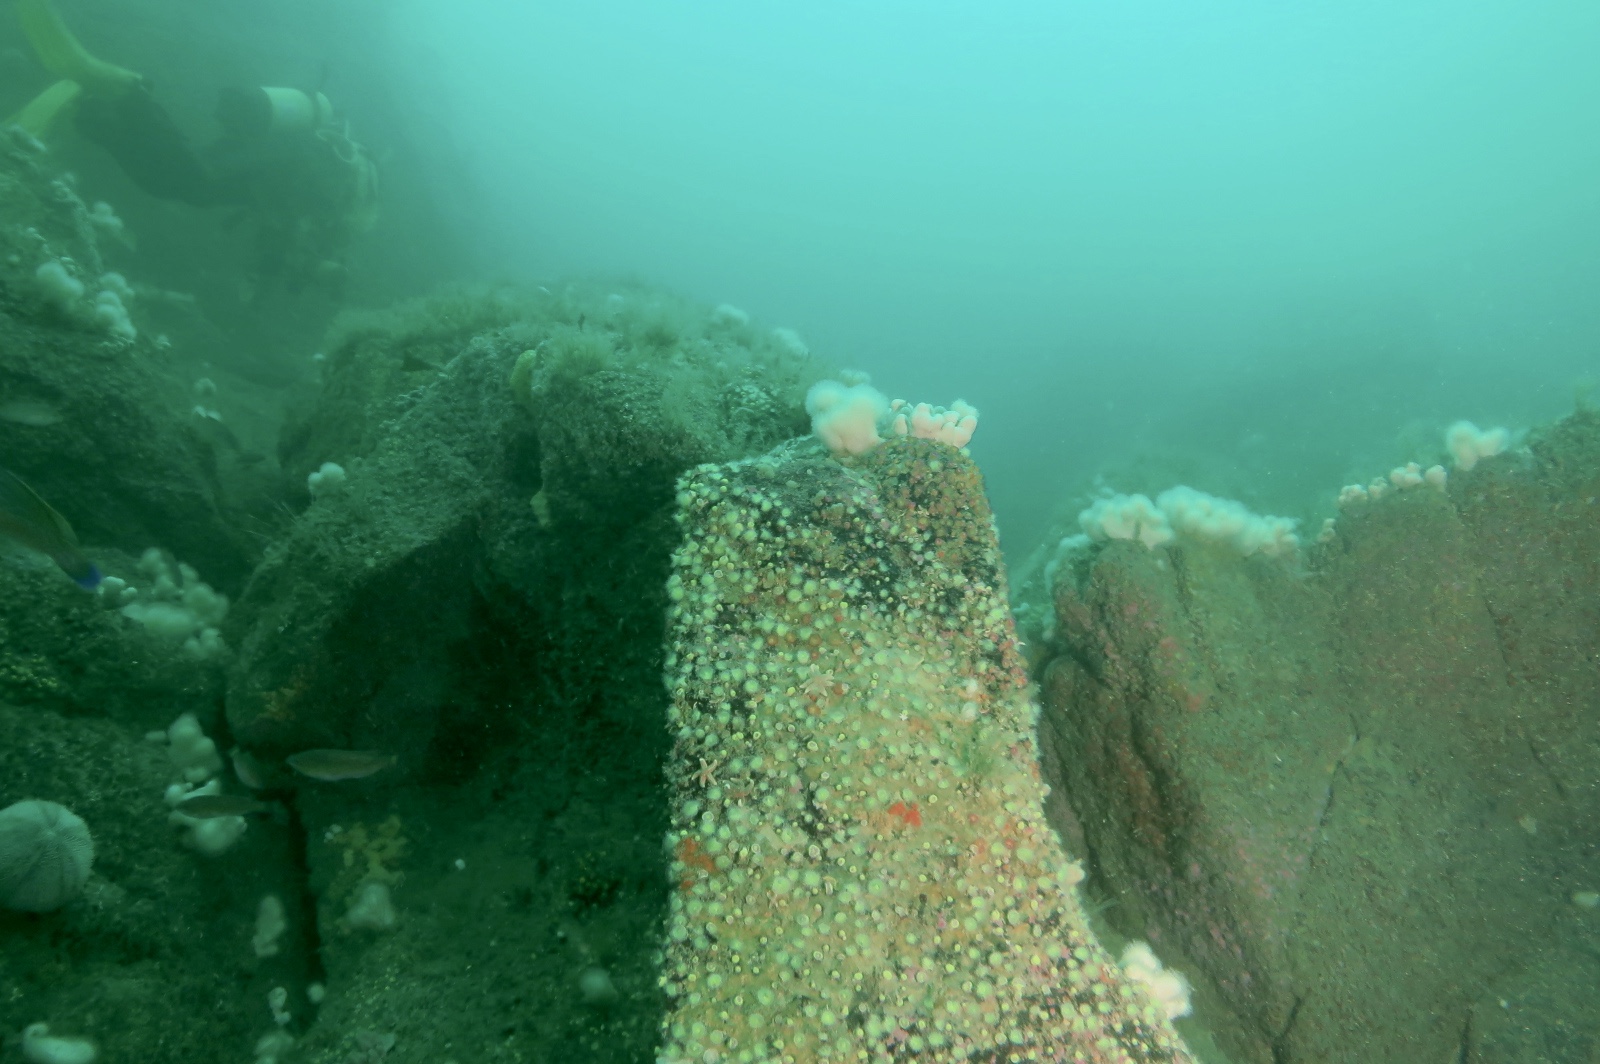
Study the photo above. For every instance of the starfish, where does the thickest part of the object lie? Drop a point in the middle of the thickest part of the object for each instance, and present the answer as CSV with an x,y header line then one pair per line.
x,y
707,774
820,684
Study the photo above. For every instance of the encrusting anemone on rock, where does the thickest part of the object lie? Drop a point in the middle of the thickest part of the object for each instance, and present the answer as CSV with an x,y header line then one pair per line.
x,y
863,870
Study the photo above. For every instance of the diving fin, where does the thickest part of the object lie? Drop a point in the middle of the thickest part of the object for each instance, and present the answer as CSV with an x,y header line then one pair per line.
x,y
40,114
63,55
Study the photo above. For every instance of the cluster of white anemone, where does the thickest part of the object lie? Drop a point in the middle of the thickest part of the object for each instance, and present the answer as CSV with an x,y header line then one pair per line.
x,y
1193,514
1467,444
1400,478
848,417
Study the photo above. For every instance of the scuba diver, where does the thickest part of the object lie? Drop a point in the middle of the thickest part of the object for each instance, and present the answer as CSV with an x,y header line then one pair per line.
x,y
285,161
308,186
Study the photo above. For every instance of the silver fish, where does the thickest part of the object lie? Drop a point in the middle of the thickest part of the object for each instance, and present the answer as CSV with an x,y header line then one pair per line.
x,y
333,765
248,769
31,521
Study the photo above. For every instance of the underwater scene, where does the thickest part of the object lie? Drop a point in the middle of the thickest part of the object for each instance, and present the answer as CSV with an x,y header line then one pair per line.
x,y
833,533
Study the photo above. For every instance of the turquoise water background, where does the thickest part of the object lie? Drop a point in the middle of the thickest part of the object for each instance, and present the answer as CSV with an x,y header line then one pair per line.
x,y
1279,233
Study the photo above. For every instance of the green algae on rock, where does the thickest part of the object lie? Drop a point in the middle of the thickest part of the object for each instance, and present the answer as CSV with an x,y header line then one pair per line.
x,y
863,867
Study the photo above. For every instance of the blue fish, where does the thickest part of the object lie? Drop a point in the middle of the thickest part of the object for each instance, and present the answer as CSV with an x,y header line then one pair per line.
x,y
34,523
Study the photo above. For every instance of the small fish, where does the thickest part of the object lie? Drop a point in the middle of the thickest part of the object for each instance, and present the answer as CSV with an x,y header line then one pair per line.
x,y
248,769
34,523
334,765
211,806
413,364
29,412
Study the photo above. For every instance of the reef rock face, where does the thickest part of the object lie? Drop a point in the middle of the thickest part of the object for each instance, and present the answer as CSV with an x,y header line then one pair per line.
x,y
1351,800
155,922
485,599
345,630
862,864
508,514
91,419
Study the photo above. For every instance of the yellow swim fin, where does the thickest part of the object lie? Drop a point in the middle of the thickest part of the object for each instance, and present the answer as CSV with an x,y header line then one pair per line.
x,y
39,114
64,56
